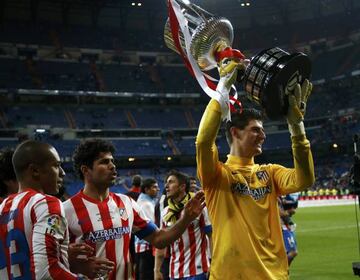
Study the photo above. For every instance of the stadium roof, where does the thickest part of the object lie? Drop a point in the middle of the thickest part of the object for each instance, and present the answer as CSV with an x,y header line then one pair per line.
x,y
137,14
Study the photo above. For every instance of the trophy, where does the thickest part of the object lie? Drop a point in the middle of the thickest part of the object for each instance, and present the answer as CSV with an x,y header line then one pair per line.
x,y
203,40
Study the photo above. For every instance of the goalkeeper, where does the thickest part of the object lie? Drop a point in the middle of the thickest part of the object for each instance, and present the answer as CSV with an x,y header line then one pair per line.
x,y
241,196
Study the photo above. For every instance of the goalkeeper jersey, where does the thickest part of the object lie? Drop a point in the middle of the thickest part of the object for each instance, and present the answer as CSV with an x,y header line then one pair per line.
x,y
241,198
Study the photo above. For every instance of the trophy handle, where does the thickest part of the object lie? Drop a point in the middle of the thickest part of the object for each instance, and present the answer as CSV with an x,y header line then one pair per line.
x,y
199,14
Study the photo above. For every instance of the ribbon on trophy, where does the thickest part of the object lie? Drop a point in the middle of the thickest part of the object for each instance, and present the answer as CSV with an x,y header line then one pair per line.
x,y
178,22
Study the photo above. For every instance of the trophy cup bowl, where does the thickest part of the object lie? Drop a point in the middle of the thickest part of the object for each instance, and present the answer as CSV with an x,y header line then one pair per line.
x,y
267,76
209,37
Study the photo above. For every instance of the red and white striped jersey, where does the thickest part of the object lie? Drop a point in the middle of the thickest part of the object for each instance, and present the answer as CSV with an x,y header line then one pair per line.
x,y
189,255
34,237
107,227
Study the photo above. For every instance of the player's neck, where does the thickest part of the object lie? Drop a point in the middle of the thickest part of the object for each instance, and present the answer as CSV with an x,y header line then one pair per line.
x,y
29,185
95,192
240,152
180,197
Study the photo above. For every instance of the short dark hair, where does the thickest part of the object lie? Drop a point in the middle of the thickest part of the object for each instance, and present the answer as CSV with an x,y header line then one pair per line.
x,y
241,120
88,151
182,178
147,183
192,178
7,172
136,180
28,152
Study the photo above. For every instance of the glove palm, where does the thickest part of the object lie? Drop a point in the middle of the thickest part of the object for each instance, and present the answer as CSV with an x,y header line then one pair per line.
x,y
297,96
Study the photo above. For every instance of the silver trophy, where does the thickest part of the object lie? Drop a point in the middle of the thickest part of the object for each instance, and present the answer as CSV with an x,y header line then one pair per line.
x,y
268,73
209,35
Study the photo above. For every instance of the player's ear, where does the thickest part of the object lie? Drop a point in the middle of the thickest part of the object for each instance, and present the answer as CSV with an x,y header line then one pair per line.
x,y
235,132
34,170
84,169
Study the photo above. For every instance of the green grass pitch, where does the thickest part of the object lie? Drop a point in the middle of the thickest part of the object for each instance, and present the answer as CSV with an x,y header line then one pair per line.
x,y
327,243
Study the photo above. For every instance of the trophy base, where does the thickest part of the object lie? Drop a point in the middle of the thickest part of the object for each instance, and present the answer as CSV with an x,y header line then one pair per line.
x,y
268,75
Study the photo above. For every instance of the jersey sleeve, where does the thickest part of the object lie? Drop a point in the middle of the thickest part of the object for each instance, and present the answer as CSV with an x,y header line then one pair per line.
x,y
148,210
49,244
207,158
142,225
162,215
302,176
207,226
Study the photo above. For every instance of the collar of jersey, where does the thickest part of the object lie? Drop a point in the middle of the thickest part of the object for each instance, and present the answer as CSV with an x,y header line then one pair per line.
x,y
146,197
93,200
242,161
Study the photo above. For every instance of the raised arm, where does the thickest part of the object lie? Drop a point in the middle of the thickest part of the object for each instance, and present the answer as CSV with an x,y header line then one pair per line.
x,y
303,175
207,157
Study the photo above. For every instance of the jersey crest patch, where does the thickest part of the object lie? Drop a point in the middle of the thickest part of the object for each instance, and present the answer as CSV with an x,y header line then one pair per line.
x,y
123,214
262,176
53,225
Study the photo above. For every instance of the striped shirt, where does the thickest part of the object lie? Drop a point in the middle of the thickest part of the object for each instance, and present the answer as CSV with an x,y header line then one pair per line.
x,y
107,226
189,255
34,237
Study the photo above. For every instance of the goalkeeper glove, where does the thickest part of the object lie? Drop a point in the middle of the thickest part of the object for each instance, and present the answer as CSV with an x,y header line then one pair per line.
x,y
297,96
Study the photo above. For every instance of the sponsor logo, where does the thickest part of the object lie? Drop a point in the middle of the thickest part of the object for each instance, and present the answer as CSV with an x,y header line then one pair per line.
x,y
106,234
255,193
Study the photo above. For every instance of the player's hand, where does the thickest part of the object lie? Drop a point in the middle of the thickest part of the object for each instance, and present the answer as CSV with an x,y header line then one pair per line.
x,y
94,267
298,96
79,250
228,69
194,206
78,253
81,261
98,267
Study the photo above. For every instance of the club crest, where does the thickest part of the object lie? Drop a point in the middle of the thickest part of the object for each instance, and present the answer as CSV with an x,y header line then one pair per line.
x,y
262,176
123,214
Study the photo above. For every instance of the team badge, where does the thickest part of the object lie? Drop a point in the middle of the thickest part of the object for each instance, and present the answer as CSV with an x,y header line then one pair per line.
x,y
123,213
262,176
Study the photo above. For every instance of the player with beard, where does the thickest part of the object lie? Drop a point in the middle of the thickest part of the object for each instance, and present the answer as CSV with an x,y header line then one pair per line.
x,y
105,220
